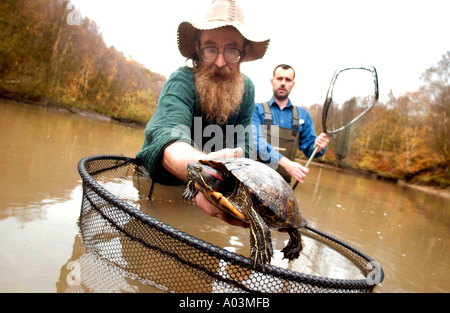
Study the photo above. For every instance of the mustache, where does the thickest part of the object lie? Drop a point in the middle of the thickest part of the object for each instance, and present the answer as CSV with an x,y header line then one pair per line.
x,y
220,73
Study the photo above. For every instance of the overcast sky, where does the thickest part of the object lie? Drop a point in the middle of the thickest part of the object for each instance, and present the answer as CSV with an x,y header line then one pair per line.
x,y
401,38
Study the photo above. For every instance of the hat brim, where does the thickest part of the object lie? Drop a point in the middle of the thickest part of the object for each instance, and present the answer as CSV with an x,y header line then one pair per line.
x,y
187,32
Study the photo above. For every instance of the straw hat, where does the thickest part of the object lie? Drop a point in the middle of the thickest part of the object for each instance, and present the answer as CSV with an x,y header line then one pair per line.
x,y
221,13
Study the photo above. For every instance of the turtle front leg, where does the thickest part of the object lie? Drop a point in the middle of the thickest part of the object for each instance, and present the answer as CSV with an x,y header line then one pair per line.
x,y
260,240
294,246
190,192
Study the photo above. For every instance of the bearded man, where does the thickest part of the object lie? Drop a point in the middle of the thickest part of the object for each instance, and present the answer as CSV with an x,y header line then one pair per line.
x,y
206,98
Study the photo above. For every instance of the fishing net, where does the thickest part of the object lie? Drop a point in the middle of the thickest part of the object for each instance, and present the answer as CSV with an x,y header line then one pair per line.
x,y
348,101
115,229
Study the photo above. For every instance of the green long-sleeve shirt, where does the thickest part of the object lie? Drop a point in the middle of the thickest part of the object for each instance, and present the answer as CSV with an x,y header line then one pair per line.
x,y
178,118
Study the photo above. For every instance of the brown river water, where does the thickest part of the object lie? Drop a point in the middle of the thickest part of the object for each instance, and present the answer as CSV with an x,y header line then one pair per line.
x,y
405,230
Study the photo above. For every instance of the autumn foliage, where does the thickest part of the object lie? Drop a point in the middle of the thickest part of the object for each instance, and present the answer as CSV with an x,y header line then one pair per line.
x,y
45,58
405,137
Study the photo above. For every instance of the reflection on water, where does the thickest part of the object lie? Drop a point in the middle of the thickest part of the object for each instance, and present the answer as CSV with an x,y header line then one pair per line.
x,y
33,244
405,230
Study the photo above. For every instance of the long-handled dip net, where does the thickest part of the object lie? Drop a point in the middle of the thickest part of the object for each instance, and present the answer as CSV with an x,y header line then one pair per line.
x,y
123,224
352,93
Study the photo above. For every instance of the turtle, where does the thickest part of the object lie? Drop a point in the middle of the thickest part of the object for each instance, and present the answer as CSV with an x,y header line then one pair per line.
x,y
255,193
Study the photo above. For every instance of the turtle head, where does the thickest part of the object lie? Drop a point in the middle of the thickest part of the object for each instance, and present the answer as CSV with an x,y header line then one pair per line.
x,y
192,187
205,178
215,182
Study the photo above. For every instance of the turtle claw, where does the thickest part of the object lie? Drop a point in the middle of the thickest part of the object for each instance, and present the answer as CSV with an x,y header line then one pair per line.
x,y
262,257
190,192
294,246
290,254
261,253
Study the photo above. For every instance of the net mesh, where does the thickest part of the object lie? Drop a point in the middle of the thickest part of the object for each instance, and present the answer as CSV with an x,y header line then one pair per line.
x,y
349,99
114,229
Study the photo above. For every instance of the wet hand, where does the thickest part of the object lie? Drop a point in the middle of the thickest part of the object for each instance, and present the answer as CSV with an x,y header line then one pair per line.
x,y
226,153
294,169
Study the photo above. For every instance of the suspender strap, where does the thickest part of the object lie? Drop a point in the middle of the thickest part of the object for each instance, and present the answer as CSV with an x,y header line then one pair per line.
x,y
268,118
267,114
295,121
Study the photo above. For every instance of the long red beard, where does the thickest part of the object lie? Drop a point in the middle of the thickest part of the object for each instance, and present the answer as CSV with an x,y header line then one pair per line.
x,y
220,91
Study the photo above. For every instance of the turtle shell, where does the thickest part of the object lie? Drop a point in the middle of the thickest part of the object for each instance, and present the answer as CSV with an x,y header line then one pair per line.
x,y
275,198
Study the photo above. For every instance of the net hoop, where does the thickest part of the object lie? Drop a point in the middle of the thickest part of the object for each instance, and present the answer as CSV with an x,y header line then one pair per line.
x,y
113,211
329,98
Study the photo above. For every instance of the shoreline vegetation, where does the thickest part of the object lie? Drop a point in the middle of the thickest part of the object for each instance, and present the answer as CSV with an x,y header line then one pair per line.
x,y
441,192
47,59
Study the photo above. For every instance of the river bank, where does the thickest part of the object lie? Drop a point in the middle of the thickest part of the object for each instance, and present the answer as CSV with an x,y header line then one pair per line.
x,y
441,192
72,109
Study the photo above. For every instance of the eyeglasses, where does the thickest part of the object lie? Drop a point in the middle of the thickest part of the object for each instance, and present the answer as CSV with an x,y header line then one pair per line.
x,y
210,54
